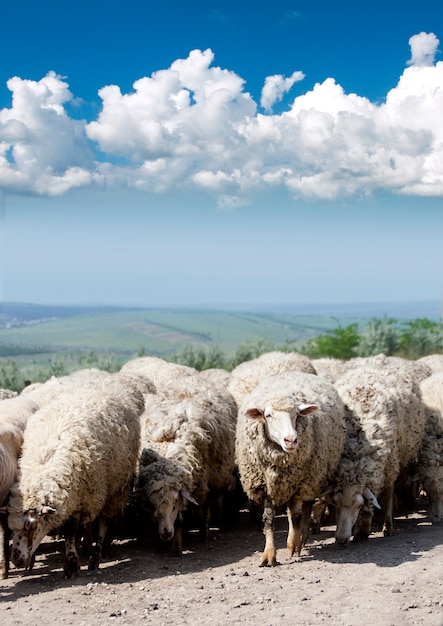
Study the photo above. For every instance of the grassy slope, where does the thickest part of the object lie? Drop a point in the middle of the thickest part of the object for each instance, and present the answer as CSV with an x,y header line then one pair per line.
x,y
163,331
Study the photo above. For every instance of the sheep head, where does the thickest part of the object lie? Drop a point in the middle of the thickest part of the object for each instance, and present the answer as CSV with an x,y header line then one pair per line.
x,y
161,488
350,502
281,425
28,530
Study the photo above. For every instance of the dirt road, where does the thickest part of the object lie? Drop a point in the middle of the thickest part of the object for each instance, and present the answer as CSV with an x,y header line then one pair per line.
x,y
388,581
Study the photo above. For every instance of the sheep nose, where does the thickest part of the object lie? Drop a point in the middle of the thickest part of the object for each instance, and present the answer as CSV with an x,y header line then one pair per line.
x,y
166,535
342,541
18,558
290,441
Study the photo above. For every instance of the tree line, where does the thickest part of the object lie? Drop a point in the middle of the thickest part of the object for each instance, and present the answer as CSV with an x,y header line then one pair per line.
x,y
410,339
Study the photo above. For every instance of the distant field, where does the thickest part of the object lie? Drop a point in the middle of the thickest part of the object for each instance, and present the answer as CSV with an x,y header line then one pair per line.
x,y
28,329
160,331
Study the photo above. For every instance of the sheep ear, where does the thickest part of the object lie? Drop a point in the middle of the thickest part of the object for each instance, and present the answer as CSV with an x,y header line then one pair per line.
x,y
253,413
306,409
47,510
185,494
367,493
148,456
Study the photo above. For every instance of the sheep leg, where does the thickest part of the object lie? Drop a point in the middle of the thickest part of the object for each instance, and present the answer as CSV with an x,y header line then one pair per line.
x,y
72,561
299,514
94,559
388,525
204,523
269,556
305,521
318,509
31,563
86,542
294,512
177,540
363,525
4,547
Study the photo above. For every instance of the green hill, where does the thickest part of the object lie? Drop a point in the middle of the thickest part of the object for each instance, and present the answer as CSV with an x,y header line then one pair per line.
x,y
157,331
29,328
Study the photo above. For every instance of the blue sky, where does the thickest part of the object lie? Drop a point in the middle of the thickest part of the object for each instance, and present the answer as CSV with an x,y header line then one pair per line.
x,y
219,154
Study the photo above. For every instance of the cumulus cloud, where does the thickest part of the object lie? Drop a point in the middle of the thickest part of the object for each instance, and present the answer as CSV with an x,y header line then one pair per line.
x,y
423,49
194,126
276,86
43,150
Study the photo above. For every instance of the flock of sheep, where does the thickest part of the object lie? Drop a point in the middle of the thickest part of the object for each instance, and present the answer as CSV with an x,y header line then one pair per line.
x,y
82,455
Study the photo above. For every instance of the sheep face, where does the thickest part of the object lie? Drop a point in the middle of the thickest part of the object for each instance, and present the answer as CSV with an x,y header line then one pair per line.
x,y
28,531
434,491
162,494
281,426
349,502
166,504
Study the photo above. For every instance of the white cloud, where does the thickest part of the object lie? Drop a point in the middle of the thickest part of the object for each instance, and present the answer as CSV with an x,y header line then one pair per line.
x,y
276,86
42,150
423,49
194,126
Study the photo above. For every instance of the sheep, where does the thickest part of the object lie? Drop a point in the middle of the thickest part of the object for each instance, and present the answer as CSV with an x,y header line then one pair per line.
x,y
159,371
14,413
289,439
385,427
78,459
434,361
187,454
44,392
246,376
216,375
7,393
330,368
417,369
430,462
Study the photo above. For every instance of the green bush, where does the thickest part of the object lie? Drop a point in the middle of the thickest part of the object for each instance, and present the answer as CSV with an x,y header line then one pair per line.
x,y
420,337
201,358
340,343
10,376
380,336
249,350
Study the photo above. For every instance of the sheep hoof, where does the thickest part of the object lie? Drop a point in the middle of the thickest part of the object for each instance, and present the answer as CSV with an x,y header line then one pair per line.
x,y
268,560
71,566
93,564
293,552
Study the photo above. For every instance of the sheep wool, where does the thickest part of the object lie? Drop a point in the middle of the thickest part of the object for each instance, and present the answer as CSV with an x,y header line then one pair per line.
x,y
430,463
434,361
330,368
289,440
187,447
385,427
7,393
246,376
14,414
159,371
78,459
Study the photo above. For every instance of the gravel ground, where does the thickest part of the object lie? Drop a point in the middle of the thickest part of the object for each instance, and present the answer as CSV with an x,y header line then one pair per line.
x,y
388,581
